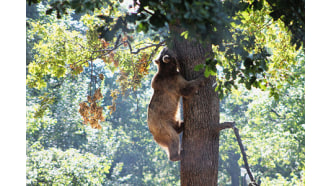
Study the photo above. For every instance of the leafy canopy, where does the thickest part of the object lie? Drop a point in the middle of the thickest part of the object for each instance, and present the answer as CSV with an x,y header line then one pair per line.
x,y
252,45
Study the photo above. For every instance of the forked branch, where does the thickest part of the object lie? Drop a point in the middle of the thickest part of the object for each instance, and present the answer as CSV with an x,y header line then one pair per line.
x,y
226,125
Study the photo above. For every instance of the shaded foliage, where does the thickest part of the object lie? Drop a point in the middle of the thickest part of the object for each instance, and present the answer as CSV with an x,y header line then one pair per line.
x,y
292,13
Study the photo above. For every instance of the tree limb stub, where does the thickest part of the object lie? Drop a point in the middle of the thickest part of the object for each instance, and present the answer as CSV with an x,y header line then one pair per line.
x,y
226,125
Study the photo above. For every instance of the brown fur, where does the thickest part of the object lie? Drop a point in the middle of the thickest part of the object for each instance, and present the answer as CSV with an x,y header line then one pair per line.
x,y
163,111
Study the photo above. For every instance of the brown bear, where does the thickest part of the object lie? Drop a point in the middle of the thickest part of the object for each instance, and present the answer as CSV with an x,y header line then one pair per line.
x,y
163,111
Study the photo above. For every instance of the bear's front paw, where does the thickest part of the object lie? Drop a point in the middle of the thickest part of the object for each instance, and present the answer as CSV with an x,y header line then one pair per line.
x,y
175,158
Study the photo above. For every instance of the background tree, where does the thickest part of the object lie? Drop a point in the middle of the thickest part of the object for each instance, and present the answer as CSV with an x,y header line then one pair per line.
x,y
238,37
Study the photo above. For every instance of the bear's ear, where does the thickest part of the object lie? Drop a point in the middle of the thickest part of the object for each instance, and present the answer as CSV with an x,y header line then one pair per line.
x,y
166,59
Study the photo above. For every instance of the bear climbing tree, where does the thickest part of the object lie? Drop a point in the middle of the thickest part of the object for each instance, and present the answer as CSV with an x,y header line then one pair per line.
x,y
190,29
163,111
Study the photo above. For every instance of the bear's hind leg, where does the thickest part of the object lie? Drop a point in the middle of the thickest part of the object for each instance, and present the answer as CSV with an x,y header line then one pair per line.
x,y
174,148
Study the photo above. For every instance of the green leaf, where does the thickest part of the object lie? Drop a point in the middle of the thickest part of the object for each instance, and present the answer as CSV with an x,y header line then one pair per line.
x,y
143,26
207,72
199,67
185,34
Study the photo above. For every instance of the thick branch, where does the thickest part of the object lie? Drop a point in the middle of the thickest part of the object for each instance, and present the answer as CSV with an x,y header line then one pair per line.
x,y
225,125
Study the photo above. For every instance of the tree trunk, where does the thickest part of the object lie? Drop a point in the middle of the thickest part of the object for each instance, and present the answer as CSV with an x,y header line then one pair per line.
x,y
200,142
234,169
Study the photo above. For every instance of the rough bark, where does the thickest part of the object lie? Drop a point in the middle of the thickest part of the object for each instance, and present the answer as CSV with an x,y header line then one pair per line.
x,y
200,142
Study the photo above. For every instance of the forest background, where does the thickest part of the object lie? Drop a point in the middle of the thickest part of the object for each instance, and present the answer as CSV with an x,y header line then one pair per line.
x,y
14,131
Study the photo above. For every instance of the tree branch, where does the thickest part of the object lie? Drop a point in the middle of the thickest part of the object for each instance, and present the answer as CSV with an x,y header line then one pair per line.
x,y
226,125
143,48
147,11
244,155
154,51
272,110
107,51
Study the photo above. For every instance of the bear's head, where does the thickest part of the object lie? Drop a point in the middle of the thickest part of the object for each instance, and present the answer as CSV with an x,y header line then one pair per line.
x,y
166,61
